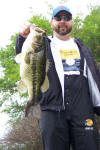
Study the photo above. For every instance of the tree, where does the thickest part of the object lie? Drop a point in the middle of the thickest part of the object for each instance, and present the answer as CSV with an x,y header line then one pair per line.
x,y
89,31
8,81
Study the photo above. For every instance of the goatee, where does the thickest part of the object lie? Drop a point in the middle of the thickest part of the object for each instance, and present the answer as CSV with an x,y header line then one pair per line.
x,y
64,30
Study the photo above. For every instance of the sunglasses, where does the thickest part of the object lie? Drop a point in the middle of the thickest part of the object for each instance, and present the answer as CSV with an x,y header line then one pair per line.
x,y
59,18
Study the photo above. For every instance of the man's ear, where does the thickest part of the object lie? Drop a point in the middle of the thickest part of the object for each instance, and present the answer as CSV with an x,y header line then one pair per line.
x,y
50,21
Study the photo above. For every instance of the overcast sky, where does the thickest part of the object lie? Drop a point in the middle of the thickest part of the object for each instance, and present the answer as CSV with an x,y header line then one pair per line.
x,y
13,13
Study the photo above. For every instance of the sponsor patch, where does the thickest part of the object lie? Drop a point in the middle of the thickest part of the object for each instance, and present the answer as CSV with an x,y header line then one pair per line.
x,y
88,122
89,128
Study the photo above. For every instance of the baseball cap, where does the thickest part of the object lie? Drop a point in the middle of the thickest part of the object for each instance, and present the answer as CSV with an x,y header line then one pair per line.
x,y
59,9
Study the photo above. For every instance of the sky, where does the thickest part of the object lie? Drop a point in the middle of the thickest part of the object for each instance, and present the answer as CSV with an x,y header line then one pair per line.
x,y
14,13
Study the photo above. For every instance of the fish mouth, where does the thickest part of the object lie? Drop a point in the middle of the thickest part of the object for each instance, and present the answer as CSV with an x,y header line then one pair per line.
x,y
38,30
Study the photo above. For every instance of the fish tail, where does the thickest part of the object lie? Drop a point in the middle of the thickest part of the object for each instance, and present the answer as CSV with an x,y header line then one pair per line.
x,y
32,110
27,108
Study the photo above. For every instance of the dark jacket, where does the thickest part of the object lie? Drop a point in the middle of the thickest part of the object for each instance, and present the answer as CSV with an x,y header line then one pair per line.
x,y
52,99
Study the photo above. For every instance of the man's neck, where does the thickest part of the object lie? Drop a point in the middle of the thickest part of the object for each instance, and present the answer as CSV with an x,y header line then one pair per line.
x,y
62,37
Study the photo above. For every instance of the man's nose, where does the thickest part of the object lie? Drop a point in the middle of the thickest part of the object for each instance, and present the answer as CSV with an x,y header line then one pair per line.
x,y
62,19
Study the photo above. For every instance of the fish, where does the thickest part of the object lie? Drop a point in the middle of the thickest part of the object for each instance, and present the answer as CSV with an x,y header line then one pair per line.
x,y
32,61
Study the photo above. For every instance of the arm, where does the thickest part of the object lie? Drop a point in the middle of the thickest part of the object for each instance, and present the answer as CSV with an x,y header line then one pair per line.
x,y
95,94
19,43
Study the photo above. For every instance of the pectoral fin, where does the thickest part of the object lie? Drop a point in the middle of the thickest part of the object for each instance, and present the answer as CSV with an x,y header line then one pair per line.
x,y
21,86
18,58
27,58
45,85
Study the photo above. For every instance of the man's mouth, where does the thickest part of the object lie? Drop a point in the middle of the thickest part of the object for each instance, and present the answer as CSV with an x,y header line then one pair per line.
x,y
62,28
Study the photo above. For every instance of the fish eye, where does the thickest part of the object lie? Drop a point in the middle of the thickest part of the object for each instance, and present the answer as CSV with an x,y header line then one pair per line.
x,y
29,53
37,49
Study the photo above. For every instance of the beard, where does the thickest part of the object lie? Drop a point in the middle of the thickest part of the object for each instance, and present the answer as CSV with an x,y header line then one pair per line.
x,y
63,29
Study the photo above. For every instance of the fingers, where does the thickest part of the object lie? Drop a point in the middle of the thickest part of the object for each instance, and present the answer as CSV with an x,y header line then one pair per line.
x,y
25,30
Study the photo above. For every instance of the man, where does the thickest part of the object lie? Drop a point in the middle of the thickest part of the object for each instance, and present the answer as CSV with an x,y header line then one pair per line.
x,y
68,106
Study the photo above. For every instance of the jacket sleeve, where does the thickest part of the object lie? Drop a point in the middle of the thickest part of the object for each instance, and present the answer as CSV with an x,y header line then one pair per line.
x,y
19,43
94,92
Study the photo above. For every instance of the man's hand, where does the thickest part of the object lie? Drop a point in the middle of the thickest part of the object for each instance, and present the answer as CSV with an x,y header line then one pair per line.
x,y
25,30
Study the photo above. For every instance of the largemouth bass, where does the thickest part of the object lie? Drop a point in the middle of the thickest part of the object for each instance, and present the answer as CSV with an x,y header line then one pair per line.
x,y
32,61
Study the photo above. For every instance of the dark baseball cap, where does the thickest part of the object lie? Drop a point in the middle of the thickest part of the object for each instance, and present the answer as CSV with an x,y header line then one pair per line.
x,y
59,9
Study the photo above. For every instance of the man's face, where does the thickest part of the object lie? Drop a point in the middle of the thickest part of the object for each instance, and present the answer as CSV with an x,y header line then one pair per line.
x,y
62,23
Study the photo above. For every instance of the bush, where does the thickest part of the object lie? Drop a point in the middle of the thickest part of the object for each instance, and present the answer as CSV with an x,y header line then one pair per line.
x,y
25,135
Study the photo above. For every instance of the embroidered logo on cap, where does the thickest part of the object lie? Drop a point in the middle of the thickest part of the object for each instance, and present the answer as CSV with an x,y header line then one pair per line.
x,y
61,7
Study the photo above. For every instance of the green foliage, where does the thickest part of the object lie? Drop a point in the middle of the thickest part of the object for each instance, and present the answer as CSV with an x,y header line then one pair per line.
x,y
14,110
8,81
89,31
42,22
11,69
77,27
